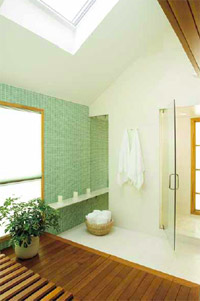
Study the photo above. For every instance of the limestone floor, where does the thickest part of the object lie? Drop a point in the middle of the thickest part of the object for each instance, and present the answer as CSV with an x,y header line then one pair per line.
x,y
188,225
150,251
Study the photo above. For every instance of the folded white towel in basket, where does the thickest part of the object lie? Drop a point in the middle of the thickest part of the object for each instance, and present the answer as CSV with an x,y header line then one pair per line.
x,y
101,220
99,217
107,214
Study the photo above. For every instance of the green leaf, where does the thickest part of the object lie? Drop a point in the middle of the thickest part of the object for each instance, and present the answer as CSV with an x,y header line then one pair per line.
x,y
27,219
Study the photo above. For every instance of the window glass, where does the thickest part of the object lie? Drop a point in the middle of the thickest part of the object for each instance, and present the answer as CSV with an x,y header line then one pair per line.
x,y
197,128
198,181
25,191
20,154
197,157
20,151
67,8
198,201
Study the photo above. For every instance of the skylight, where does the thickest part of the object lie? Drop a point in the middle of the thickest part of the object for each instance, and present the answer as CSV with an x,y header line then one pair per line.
x,y
72,10
65,23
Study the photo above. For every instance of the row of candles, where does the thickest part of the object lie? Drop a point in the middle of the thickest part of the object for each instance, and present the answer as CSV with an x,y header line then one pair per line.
x,y
75,195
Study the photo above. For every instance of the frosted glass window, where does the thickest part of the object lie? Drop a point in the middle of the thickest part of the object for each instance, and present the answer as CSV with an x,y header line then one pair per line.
x,y
197,132
198,181
197,201
20,155
197,157
20,140
70,9
25,191
2,232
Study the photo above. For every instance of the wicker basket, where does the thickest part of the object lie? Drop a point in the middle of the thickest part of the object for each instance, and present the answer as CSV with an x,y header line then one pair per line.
x,y
99,229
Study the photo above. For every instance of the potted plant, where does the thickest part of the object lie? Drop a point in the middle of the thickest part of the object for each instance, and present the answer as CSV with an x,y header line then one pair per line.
x,y
26,222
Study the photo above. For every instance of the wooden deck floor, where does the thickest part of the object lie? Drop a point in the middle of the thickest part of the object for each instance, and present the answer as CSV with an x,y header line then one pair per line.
x,y
92,275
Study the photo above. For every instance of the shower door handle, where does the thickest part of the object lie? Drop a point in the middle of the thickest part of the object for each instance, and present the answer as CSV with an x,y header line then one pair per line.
x,y
177,182
170,180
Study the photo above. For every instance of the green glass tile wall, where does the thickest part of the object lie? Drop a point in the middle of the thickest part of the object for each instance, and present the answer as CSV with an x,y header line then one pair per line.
x,y
74,214
69,146
67,141
99,152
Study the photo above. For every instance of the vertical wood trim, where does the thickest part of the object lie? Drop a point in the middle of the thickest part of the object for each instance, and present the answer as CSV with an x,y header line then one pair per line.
x,y
193,166
42,149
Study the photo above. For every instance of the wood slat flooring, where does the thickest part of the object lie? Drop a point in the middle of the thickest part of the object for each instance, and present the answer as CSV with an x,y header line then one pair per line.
x,y
93,275
24,284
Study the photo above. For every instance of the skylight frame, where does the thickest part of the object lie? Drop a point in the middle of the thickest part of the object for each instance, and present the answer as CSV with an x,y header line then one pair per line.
x,y
54,27
78,17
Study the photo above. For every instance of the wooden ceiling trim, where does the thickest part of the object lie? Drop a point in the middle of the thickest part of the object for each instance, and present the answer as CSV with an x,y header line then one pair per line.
x,y
185,19
195,9
174,21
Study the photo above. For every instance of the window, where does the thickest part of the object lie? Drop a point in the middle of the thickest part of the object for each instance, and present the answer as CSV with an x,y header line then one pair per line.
x,y
72,11
21,153
195,165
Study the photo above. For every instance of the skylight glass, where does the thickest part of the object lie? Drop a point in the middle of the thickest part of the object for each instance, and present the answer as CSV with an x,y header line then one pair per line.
x,y
72,10
65,23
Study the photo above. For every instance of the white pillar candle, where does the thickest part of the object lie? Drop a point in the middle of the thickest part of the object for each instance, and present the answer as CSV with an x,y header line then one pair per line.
x,y
75,194
60,198
88,190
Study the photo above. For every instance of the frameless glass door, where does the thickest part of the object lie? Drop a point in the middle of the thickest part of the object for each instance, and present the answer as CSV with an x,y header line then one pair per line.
x,y
169,175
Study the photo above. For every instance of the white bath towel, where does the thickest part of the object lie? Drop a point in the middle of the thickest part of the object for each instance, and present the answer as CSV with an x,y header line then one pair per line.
x,y
107,214
131,166
99,217
100,220
96,211
91,217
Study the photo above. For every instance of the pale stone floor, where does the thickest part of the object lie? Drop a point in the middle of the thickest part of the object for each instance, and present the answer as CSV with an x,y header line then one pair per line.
x,y
151,251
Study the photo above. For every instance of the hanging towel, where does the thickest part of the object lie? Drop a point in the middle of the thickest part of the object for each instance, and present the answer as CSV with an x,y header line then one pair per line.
x,y
131,166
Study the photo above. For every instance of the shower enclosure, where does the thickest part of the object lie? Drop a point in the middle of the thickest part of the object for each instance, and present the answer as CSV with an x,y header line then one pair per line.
x,y
169,177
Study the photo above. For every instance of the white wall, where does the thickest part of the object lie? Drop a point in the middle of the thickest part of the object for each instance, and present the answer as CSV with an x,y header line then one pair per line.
x,y
30,62
133,100
184,165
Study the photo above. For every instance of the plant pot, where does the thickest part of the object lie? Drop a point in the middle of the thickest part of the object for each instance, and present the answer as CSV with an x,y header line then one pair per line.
x,y
31,251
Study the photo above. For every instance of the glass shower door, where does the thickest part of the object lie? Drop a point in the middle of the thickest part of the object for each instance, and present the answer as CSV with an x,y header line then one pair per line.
x,y
169,175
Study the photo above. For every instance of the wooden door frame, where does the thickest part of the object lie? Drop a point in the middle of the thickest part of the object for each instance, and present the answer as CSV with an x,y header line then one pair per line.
x,y
193,165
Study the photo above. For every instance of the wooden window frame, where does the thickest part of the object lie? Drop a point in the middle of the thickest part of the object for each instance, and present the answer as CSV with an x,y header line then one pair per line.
x,y
193,166
41,111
